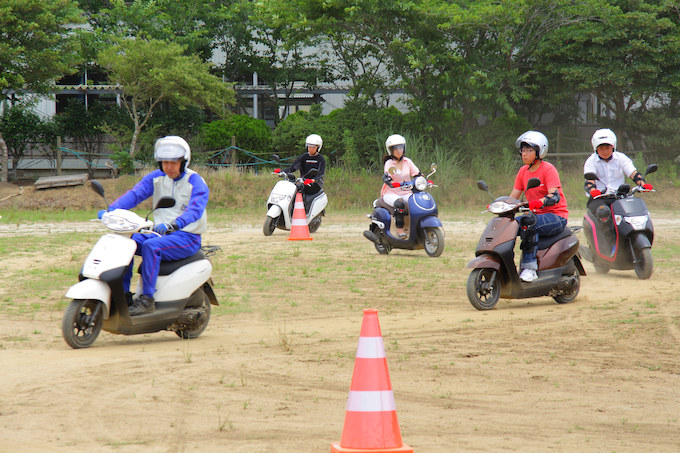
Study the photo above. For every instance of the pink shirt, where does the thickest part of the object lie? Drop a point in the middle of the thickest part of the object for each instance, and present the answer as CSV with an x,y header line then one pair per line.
x,y
549,177
407,172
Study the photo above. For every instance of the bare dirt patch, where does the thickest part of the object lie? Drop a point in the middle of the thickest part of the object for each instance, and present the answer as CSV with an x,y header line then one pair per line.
x,y
272,372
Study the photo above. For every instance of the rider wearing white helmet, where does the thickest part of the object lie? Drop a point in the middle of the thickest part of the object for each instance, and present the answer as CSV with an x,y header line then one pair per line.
x,y
611,168
547,202
311,164
397,169
180,227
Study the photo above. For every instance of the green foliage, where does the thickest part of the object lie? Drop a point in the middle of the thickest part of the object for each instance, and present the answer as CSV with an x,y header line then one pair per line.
x,y
153,71
38,42
359,128
251,134
20,127
123,162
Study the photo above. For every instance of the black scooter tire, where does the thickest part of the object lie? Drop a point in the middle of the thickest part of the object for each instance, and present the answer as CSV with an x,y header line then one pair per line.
x,y
644,265
205,319
434,241
269,225
78,327
479,294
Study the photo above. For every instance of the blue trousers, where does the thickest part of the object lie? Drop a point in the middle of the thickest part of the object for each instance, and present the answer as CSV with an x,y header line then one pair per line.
x,y
154,249
546,225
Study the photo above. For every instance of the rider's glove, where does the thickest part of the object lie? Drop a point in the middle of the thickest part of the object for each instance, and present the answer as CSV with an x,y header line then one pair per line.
x,y
647,186
595,192
535,204
396,184
387,179
277,170
101,213
164,228
308,181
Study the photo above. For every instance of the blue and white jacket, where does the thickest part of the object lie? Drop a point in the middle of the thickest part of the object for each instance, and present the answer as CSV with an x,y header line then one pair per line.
x,y
189,190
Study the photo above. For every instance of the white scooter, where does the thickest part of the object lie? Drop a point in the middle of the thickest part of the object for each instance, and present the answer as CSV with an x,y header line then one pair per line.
x,y
282,200
184,290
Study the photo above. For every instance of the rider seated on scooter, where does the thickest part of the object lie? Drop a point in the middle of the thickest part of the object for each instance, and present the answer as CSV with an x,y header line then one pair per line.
x,y
611,168
310,160
398,169
547,202
180,227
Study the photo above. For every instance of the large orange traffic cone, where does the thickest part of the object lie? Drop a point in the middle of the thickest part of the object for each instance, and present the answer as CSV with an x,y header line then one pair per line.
x,y
299,231
371,424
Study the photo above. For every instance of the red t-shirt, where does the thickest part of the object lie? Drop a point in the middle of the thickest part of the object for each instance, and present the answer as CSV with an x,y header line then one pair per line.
x,y
549,177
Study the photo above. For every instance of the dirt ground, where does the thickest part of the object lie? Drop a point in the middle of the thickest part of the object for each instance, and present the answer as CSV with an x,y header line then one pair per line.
x,y
273,370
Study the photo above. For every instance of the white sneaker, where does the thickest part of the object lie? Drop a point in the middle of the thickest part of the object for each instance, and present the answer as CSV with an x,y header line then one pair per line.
x,y
528,275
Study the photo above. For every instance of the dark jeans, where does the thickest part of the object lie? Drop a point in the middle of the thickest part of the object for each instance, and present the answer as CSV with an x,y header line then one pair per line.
x,y
546,225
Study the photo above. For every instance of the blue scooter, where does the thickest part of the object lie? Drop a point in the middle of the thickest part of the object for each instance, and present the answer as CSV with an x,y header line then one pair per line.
x,y
420,215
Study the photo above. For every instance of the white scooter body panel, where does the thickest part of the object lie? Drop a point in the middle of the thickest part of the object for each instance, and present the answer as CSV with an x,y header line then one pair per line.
x,y
111,251
318,205
182,283
282,195
92,289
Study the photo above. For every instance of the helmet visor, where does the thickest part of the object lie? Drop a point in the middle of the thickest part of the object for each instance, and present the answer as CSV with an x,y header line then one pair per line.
x,y
169,152
397,148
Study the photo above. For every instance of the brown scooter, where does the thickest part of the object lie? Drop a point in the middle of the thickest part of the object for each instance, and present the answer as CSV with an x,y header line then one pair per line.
x,y
494,273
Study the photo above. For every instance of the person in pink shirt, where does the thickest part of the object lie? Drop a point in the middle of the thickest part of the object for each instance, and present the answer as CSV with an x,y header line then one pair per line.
x,y
398,169
547,202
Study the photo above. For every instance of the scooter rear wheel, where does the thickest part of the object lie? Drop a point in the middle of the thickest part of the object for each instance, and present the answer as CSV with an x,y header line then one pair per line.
x,y
82,323
483,288
314,224
202,323
568,298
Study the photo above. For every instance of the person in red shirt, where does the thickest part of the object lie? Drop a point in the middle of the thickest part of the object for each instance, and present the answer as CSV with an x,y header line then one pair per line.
x,y
547,201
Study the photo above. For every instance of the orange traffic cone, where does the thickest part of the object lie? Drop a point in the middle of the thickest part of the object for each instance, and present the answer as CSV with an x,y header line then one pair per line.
x,y
299,231
371,424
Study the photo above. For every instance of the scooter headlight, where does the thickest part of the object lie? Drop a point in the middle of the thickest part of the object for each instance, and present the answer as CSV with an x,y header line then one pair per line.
x,y
638,222
421,183
499,207
118,223
277,198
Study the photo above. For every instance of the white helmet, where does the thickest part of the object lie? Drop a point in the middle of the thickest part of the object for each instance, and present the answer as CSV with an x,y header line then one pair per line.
x,y
394,140
603,137
314,140
536,140
172,147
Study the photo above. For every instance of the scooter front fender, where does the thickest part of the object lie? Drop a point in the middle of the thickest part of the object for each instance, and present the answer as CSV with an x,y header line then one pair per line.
x,y
485,261
91,289
430,222
274,211
640,241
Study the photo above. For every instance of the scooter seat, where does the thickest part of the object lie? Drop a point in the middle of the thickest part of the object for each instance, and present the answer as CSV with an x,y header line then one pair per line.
x,y
546,241
168,267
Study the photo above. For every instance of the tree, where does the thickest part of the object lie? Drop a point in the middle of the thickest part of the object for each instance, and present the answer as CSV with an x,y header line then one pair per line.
x,y
628,56
20,127
152,71
84,127
38,45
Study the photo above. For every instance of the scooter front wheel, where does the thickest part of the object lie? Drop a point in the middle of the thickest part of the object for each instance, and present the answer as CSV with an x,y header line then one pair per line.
x,y
483,288
643,263
434,241
82,322
269,225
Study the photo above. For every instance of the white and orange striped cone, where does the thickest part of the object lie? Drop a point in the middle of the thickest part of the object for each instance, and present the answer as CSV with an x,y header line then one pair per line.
x,y
299,231
371,424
